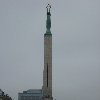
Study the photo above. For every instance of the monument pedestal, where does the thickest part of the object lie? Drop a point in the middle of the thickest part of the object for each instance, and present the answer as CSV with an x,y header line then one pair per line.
x,y
47,98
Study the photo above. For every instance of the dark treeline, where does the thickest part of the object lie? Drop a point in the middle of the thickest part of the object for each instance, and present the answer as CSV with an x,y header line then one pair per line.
x,y
4,96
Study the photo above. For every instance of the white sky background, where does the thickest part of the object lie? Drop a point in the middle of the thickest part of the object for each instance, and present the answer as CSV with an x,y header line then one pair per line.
x,y
76,47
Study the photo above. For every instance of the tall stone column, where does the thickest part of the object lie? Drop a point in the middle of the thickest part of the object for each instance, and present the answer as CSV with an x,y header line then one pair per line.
x,y
47,73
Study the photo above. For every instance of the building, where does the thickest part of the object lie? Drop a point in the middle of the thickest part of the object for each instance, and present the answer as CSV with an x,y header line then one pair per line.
x,y
31,94
47,72
1,92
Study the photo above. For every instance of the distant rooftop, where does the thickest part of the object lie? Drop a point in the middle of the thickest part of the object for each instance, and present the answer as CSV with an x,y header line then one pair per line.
x,y
33,91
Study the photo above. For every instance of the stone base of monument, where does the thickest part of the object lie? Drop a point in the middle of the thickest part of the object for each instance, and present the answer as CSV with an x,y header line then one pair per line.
x,y
47,98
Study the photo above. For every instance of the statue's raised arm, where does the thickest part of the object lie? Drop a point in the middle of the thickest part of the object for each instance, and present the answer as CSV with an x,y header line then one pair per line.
x,y
48,22
48,8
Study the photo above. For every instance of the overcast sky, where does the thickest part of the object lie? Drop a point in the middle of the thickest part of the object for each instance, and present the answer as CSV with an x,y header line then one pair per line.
x,y
76,47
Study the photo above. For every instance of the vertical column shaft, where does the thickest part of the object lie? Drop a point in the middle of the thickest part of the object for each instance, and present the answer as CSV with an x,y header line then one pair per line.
x,y
47,77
